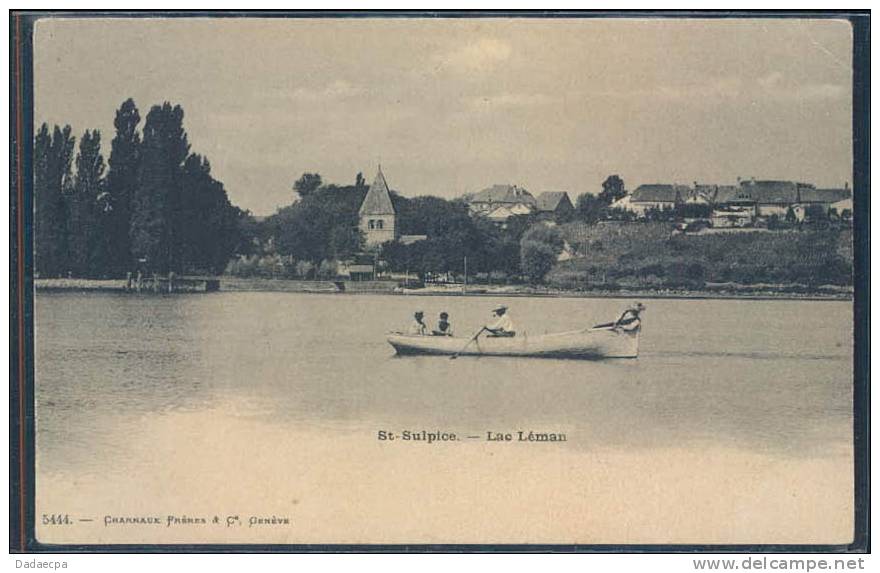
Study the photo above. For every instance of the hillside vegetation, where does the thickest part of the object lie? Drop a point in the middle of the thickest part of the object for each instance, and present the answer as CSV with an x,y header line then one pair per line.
x,y
648,255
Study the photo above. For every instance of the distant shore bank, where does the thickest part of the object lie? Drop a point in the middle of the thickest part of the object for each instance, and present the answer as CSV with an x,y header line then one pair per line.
x,y
718,291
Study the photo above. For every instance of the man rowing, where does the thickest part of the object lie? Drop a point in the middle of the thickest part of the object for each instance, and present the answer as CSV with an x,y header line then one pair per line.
x,y
503,324
629,321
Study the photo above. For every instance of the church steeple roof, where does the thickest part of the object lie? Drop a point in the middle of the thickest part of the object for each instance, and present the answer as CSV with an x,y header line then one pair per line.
x,y
378,199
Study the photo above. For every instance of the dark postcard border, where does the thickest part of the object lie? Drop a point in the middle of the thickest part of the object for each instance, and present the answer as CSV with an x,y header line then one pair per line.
x,y
22,536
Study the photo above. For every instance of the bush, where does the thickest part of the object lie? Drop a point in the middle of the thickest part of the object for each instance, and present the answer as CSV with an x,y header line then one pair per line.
x,y
539,247
537,258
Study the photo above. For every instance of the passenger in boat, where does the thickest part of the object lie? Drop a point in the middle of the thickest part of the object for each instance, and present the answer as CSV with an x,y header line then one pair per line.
x,y
444,327
418,325
503,325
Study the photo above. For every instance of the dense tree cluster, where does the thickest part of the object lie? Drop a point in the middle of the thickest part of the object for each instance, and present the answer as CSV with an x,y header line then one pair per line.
x,y
157,208
322,224
452,235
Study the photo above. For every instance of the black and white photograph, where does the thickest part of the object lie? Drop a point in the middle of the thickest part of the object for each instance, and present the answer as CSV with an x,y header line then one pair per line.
x,y
426,279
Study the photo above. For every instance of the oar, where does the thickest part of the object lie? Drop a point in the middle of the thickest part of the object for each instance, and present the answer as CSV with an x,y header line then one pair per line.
x,y
474,337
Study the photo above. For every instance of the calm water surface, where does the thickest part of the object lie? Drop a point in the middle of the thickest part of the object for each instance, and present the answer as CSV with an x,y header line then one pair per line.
x,y
771,378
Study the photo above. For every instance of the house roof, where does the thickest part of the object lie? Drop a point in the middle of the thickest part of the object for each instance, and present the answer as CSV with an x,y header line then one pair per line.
x,y
810,195
659,193
701,192
730,194
771,192
378,199
501,213
502,193
550,200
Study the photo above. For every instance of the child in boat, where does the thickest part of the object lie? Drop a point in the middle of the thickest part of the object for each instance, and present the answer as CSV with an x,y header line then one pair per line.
x,y
503,325
444,327
418,326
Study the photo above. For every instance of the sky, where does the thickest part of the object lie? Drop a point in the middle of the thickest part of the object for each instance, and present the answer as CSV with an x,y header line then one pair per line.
x,y
450,106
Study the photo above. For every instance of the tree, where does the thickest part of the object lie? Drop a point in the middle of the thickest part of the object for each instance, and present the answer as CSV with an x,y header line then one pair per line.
x,y
327,269
89,245
539,248
46,205
590,208
304,269
307,184
52,183
207,228
612,189
122,181
815,213
322,225
157,196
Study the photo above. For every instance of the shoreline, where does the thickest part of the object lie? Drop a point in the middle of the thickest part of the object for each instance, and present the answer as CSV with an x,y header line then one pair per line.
x,y
233,284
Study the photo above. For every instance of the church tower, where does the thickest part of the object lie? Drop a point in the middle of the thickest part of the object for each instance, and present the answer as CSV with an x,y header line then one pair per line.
x,y
378,221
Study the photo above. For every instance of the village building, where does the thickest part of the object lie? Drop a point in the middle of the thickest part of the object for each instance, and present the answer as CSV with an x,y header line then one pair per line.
x,y
503,213
842,209
738,205
733,199
555,205
825,198
512,200
771,197
731,217
658,196
700,194
378,219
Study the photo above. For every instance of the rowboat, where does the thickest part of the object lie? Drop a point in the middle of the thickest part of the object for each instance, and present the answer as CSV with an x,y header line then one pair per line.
x,y
589,343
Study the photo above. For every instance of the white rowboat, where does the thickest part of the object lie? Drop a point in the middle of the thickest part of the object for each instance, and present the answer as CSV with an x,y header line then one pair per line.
x,y
583,344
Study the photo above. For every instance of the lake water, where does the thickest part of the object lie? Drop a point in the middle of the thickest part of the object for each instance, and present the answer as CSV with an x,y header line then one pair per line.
x,y
733,426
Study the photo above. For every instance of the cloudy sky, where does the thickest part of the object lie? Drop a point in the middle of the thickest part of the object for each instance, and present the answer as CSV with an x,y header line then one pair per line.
x,y
450,106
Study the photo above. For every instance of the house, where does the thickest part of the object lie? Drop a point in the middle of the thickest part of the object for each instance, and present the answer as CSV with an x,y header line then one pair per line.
x,y
729,218
700,194
554,204
501,214
377,218
515,199
653,196
826,198
733,198
842,209
772,197
356,272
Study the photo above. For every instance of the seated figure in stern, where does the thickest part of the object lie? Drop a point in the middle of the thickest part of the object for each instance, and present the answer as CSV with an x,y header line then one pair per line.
x,y
502,326
418,326
629,321
444,327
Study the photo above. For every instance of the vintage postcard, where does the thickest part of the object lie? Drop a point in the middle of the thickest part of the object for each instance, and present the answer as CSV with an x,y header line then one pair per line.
x,y
448,280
